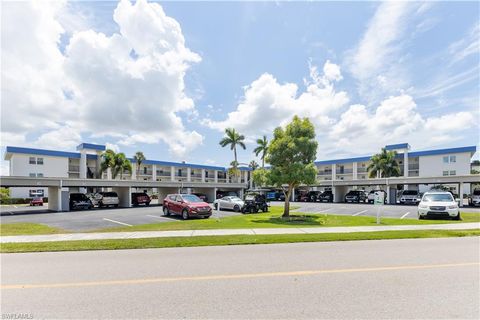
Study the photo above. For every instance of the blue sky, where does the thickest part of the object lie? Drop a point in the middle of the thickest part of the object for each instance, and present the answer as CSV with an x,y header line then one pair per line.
x,y
367,73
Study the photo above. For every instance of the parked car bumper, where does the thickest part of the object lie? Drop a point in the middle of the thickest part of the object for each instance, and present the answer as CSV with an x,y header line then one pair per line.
x,y
424,212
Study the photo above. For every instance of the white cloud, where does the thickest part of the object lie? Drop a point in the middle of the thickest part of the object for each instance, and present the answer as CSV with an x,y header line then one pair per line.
x,y
129,85
467,46
268,103
63,138
112,146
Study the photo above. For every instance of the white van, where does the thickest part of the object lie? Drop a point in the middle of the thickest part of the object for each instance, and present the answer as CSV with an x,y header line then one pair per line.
x,y
108,199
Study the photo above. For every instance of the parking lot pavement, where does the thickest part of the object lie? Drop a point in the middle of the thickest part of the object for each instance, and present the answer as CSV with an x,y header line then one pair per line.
x,y
361,209
87,220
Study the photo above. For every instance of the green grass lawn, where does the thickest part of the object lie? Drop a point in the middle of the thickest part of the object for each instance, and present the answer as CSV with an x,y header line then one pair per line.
x,y
226,240
273,219
21,228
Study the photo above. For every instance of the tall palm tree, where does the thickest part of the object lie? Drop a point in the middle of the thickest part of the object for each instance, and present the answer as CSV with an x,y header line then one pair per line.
x,y
253,165
233,138
262,147
121,164
139,159
107,160
384,165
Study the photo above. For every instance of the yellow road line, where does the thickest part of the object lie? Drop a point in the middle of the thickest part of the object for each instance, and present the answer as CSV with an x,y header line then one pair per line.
x,y
231,276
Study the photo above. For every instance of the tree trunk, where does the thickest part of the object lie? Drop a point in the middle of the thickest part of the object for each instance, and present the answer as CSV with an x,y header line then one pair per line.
x,y
235,154
286,208
263,162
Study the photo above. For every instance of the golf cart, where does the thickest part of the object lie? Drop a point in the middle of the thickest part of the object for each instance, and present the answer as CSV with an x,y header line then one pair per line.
x,y
255,202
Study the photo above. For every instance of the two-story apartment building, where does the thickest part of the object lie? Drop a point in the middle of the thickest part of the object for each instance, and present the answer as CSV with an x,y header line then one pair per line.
x,y
345,173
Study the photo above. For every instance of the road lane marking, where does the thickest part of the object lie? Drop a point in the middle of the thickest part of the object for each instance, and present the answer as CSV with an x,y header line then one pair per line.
x,y
15,206
233,276
358,213
325,210
114,221
406,214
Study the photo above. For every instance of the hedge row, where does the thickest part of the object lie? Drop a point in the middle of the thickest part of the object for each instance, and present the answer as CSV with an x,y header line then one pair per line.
x,y
19,200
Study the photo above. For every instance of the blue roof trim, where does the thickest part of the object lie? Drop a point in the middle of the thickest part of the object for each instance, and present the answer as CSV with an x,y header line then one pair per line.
x,y
91,146
52,153
397,146
471,149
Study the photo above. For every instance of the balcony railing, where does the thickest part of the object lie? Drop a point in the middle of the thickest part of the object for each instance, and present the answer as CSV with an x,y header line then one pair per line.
x,y
413,166
324,173
163,174
73,168
362,170
344,171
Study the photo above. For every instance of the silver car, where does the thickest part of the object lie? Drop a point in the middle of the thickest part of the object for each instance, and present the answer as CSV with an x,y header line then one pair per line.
x,y
229,202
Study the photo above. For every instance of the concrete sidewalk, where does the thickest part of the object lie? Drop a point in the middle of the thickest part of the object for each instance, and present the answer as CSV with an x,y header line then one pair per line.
x,y
225,232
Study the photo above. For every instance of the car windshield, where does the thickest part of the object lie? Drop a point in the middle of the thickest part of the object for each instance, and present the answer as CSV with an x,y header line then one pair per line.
x,y
235,199
439,197
191,198
37,198
410,193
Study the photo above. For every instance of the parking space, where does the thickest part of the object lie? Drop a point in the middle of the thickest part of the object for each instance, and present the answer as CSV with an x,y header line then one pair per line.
x,y
362,209
88,220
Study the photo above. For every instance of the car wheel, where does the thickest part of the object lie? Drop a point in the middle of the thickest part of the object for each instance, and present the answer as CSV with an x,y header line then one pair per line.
x,y
236,208
215,205
457,217
265,208
147,204
115,206
100,204
185,214
420,217
166,211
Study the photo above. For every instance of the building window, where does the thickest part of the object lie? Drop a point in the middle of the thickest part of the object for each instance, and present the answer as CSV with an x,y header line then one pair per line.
x,y
445,173
179,172
453,158
453,172
39,160
32,175
32,160
144,170
206,174
445,159
39,175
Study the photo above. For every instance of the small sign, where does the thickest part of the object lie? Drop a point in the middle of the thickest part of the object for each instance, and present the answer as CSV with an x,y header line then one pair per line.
x,y
379,198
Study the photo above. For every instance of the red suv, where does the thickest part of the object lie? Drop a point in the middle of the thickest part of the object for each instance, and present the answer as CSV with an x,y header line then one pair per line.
x,y
187,205
140,198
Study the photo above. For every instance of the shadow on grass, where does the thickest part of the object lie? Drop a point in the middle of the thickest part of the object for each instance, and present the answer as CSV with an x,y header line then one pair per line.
x,y
303,220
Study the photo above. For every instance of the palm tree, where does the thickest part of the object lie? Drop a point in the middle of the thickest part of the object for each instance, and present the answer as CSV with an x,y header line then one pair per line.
x,y
121,164
253,164
262,147
139,158
384,165
233,138
108,160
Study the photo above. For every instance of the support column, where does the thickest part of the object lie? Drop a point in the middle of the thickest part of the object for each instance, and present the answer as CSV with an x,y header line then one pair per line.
x,y
83,164
203,175
55,199
98,175
215,193
109,173
189,174
293,195
216,178
460,193
134,171
241,193
245,177
355,169
154,172
124,196
172,173
334,172
388,194
250,184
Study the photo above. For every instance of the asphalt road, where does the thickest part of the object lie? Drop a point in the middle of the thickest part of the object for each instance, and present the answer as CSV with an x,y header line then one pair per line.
x,y
113,217
415,278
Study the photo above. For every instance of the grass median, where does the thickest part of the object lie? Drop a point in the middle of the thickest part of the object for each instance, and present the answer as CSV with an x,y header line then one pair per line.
x,y
226,240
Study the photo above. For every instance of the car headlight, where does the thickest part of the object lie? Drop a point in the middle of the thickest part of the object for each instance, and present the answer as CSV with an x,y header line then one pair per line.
x,y
423,206
454,206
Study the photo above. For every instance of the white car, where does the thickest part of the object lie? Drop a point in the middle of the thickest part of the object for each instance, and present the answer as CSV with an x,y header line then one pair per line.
x,y
474,200
230,202
108,199
438,204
